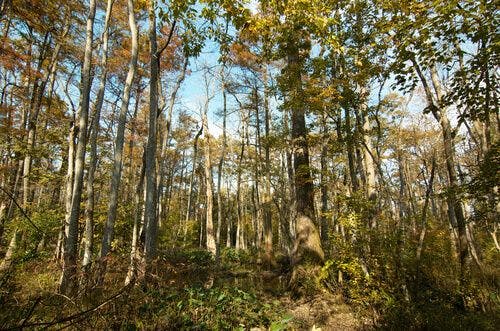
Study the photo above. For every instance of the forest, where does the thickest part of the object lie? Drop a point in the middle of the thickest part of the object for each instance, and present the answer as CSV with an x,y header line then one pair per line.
x,y
249,164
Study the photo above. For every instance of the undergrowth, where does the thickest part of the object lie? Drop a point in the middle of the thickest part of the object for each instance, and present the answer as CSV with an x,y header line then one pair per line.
x,y
183,297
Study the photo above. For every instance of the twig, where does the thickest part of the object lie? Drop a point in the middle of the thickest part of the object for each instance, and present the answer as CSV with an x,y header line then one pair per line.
x,y
22,210
74,316
30,313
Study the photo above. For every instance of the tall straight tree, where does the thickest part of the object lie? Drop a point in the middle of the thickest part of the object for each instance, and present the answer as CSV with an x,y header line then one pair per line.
x,y
210,234
107,237
150,219
68,281
89,207
267,201
220,167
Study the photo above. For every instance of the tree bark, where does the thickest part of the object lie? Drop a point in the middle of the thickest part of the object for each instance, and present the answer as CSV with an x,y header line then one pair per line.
x,y
11,250
191,181
68,282
239,223
89,207
221,160
268,260
150,219
132,273
323,184
307,245
210,235
108,234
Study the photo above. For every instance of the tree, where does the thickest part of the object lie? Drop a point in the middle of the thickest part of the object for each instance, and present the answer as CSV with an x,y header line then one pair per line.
x,y
68,281
89,207
119,142
150,219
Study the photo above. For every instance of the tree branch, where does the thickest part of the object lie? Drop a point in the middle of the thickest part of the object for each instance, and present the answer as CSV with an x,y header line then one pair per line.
x,y
171,33
22,210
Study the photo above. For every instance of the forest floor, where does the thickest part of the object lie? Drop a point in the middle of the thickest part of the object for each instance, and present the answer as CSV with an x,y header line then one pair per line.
x,y
191,292
320,311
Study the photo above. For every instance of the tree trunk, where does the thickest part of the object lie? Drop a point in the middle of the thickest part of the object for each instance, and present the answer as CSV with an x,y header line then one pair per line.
x,y
307,245
221,161
368,163
166,137
68,282
150,219
132,273
351,157
268,260
239,224
424,212
11,250
323,183
191,181
210,235
455,209
107,237
89,207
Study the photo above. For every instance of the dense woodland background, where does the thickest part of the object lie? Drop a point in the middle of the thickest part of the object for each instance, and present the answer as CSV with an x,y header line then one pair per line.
x,y
221,164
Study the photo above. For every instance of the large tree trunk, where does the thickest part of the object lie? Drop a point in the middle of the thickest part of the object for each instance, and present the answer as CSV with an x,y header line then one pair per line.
x,y
68,282
107,237
150,219
307,250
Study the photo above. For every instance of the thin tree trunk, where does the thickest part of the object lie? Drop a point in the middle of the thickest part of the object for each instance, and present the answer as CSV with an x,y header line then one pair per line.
x,y
424,212
323,184
132,273
221,161
257,204
267,200
229,231
37,93
350,151
455,209
191,181
239,224
210,235
11,250
166,137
